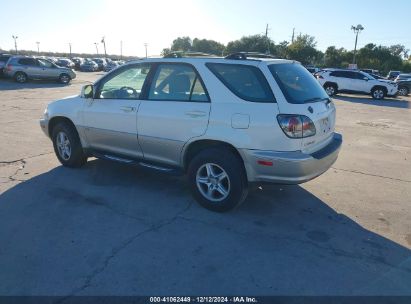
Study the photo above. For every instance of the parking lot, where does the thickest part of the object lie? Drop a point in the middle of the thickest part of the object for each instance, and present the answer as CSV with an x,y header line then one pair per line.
x,y
111,229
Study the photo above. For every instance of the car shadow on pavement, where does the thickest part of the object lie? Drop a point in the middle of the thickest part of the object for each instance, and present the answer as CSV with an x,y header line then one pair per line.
x,y
110,229
387,102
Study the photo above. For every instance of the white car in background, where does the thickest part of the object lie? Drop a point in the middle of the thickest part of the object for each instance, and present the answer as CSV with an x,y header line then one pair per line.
x,y
224,122
355,82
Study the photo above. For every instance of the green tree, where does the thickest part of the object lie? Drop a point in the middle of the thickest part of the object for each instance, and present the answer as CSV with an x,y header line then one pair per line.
x,y
399,50
303,49
181,44
336,58
254,43
280,50
379,57
165,51
208,46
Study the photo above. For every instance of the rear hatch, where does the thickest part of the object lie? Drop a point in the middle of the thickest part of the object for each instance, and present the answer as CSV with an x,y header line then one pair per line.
x,y
305,98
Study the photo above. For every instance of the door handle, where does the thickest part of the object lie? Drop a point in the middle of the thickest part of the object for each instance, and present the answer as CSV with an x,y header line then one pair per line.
x,y
127,109
195,114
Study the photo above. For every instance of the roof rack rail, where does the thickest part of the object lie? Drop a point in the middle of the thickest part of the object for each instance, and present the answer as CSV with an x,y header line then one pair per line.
x,y
246,55
182,54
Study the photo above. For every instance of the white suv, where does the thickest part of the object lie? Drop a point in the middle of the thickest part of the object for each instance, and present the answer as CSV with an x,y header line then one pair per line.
x,y
222,122
355,82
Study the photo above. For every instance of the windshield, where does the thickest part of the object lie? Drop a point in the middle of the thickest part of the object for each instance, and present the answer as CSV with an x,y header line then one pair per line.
x,y
369,76
297,84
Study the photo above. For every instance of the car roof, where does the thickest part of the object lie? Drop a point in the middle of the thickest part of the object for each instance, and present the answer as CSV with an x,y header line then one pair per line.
x,y
340,69
202,60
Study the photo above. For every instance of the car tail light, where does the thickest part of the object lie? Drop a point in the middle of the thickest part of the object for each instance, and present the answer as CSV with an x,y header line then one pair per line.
x,y
296,126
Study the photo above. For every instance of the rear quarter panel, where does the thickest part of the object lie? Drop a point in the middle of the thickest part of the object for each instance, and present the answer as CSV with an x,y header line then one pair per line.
x,y
263,131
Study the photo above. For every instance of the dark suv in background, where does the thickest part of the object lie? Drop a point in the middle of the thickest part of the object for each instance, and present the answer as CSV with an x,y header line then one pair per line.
x,y
404,87
393,74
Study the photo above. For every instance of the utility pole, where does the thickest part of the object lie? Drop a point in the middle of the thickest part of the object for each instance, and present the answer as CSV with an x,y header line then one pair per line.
x,y
70,48
38,47
267,40
145,45
96,47
121,50
357,29
292,37
15,42
103,41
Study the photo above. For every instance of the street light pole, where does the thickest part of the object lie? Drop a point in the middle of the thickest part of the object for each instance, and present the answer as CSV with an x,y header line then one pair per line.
x,y
103,41
121,50
357,29
15,42
267,40
96,47
70,48
145,45
38,47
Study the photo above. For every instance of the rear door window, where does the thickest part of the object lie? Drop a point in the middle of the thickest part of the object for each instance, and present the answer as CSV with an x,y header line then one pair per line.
x,y
245,81
28,61
4,58
177,82
297,84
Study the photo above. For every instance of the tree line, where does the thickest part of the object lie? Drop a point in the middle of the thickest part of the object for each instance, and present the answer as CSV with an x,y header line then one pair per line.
x,y
304,49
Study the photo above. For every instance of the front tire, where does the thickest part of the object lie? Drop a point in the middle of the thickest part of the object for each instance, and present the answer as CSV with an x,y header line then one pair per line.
x,y
64,79
217,179
403,91
378,93
67,146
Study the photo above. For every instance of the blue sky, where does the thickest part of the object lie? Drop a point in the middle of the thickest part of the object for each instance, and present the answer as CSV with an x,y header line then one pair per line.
x,y
158,22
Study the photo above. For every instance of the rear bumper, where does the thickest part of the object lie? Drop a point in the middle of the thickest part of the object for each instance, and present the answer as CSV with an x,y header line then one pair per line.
x,y
290,167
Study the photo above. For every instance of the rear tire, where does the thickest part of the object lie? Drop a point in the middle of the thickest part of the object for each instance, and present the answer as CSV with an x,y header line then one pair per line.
x,y
330,89
378,93
217,179
67,146
20,77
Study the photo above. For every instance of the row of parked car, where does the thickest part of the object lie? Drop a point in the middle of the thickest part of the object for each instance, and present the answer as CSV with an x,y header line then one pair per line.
x,y
23,68
364,81
87,64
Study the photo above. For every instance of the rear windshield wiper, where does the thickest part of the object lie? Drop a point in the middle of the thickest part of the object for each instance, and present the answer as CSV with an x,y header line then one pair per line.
x,y
318,99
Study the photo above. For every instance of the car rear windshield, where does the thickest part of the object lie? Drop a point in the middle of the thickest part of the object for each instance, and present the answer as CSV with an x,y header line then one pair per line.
x,y
4,58
297,84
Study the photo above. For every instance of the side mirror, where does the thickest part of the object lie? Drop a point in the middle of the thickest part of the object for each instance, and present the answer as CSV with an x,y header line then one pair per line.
x,y
87,91
365,78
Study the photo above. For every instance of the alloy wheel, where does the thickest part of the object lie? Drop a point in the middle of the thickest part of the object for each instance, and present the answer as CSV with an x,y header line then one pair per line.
x,y
213,182
330,90
402,92
63,145
378,94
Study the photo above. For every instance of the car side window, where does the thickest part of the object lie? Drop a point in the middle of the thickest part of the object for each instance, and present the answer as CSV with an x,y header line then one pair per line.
x,y
28,61
336,74
362,76
177,82
45,63
124,84
245,81
352,75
